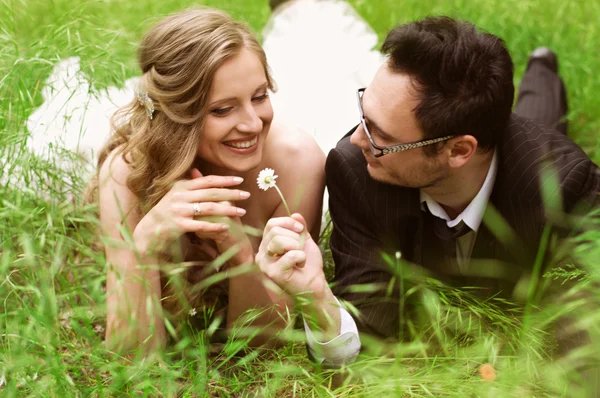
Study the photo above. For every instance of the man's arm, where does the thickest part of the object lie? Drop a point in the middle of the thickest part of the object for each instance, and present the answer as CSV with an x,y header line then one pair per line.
x,y
338,350
362,277
581,188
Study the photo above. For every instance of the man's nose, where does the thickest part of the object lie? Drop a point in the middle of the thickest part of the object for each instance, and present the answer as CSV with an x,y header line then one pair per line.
x,y
359,138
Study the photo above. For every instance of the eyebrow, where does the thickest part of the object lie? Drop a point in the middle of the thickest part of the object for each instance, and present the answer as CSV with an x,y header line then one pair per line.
x,y
262,86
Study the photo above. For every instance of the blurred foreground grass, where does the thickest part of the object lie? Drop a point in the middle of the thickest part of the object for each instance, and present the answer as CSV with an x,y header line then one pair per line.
x,y
51,278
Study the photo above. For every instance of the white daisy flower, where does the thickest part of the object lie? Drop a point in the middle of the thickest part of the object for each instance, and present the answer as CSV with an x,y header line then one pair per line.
x,y
266,179
193,312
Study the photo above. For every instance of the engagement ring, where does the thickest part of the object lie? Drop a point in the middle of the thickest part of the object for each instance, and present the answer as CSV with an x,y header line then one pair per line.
x,y
197,209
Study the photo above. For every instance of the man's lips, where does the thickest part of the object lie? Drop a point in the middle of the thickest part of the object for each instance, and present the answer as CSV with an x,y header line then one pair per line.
x,y
370,160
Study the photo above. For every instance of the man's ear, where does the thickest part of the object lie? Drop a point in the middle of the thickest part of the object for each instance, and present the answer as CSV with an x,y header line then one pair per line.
x,y
462,148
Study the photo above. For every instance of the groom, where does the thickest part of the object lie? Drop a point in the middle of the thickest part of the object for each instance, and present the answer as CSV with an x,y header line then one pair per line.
x,y
442,172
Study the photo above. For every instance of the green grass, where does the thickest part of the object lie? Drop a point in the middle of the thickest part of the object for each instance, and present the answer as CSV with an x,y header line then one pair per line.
x,y
51,277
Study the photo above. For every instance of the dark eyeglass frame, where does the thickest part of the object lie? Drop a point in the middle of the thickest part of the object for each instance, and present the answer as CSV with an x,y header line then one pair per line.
x,y
379,151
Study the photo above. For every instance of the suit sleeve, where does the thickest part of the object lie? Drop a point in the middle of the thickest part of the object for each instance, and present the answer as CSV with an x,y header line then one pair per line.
x,y
362,277
581,188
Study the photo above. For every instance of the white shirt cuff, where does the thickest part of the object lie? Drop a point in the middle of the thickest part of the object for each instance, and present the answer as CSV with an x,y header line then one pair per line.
x,y
342,349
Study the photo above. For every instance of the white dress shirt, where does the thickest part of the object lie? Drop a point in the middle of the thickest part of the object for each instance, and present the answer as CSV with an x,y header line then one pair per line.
x,y
345,347
472,215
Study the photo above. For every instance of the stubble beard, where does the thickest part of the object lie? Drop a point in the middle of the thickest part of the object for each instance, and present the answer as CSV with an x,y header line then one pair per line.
x,y
409,180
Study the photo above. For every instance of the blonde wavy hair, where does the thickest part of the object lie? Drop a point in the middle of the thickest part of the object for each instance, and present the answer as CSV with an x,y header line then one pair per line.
x,y
178,58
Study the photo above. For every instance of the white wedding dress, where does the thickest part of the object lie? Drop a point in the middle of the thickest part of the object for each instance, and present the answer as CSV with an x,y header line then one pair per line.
x,y
320,52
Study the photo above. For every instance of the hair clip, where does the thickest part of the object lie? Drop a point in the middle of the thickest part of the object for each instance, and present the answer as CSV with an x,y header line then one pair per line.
x,y
145,100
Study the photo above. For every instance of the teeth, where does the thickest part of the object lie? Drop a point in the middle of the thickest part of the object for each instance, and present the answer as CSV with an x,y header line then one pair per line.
x,y
242,145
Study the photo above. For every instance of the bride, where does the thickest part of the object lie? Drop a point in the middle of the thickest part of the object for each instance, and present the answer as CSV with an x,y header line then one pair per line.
x,y
176,179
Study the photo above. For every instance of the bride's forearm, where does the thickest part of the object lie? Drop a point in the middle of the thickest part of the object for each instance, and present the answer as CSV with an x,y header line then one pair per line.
x,y
134,312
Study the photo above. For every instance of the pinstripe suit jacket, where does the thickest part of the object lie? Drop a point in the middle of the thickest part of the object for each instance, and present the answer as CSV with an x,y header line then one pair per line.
x,y
370,218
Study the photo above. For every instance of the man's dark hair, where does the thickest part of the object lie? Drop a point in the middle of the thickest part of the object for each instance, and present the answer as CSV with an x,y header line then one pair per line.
x,y
463,77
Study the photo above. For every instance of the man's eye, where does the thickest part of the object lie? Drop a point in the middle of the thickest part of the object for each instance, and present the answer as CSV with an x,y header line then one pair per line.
x,y
221,111
261,98
372,131
377,137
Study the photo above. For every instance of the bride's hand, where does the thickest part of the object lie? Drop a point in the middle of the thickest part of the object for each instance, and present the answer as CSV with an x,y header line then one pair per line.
x,y
177,211
236,240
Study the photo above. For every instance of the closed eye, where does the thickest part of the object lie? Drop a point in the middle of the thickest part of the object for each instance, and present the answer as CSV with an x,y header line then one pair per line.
x,y
260,98
224,111
221,111
377,133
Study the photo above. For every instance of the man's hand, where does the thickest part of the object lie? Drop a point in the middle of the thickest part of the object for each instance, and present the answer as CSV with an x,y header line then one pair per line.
x,y
289,257
292,260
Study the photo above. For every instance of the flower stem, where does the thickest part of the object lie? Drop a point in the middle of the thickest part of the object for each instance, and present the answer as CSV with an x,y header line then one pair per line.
x,y
283,200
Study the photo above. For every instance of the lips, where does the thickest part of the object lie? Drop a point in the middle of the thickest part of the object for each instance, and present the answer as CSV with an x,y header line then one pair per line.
x,y
370,160
242,144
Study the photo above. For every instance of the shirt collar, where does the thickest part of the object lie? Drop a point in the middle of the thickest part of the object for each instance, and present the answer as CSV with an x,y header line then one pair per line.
x,y
472,215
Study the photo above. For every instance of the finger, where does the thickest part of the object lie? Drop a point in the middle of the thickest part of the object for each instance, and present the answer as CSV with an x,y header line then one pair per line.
x,y
202,228
305,235
299,218
284,222
211,182
282,244
195,173
204,209
289,260
214,195
281,223
264,261
235,219
279,271
278,231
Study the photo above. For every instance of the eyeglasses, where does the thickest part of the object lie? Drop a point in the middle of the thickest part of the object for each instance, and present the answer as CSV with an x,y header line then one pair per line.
x,y
379,151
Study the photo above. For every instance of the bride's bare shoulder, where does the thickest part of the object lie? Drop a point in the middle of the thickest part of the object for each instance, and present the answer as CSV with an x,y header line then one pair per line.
x,y
114,170
115,197
293,149
286,140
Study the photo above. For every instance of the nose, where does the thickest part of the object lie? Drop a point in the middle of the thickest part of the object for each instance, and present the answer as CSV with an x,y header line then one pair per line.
x,y
359,138
251,122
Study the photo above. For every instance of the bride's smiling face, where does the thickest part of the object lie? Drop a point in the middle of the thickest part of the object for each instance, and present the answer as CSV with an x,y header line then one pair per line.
x,y
239,114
